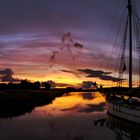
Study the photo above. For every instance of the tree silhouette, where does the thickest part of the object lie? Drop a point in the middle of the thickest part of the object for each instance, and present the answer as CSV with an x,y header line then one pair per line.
x,y
25,84
36,85
46,85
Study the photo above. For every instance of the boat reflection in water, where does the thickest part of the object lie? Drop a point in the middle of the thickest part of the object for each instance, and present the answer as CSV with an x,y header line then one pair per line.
x,y
123,129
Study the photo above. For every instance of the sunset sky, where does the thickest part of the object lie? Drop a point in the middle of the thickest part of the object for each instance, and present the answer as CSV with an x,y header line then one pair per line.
x,y
67,41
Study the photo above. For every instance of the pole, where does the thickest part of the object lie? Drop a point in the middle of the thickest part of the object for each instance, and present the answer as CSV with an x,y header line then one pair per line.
x,y
130,42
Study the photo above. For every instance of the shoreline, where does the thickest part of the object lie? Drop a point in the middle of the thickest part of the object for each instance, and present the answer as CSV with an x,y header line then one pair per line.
x,y
14,103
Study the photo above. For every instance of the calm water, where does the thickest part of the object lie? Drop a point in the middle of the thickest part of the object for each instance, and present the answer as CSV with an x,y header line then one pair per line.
x,y
76,116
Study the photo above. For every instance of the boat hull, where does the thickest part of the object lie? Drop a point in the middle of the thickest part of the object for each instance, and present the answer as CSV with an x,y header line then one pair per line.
x,y
124,111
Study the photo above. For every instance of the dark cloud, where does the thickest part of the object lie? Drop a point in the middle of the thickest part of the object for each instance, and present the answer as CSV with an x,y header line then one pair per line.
x,y
6,75
109,78
99,73
67,71
69,42
66,38
78,45
70,72
6,72
94,73
52,58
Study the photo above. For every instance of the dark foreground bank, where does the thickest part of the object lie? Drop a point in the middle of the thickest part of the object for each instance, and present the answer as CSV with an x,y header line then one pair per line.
x,y
14,103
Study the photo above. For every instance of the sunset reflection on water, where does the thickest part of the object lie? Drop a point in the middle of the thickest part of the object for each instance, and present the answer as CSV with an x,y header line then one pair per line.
x,y
75,116
70,117
75,102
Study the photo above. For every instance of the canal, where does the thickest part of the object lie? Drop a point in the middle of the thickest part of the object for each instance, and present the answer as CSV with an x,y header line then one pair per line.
x,y
74,116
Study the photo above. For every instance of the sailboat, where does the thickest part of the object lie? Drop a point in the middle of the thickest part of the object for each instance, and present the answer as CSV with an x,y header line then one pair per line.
x,y
118,106
127,109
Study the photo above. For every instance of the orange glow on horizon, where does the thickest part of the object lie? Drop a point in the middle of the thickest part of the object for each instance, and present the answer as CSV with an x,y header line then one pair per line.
x,y
71,79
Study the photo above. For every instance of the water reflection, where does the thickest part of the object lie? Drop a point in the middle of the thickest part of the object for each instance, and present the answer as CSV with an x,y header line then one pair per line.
x,y
75,102
76,116
89,96
123,129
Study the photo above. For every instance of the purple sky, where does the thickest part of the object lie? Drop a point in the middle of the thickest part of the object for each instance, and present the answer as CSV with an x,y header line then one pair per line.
x,y
31,33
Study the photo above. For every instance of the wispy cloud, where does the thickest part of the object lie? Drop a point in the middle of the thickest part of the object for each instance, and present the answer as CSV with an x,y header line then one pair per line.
x,y
41,52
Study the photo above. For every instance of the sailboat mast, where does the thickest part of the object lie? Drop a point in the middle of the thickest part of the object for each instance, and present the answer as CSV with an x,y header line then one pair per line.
x,y
130,42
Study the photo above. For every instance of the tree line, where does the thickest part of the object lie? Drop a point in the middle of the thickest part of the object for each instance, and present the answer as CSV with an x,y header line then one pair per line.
x,y
25,84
